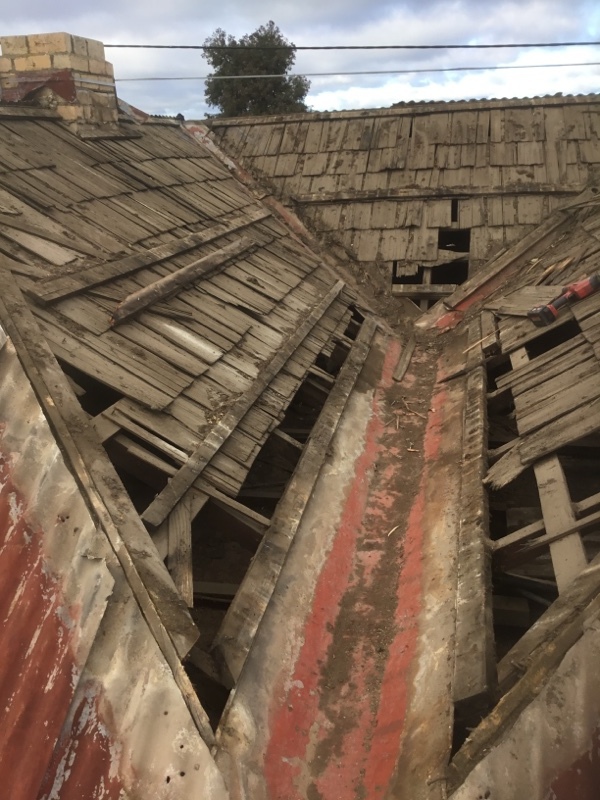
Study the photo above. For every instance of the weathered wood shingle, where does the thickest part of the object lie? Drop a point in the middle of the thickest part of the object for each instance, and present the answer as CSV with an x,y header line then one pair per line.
x,y
507,163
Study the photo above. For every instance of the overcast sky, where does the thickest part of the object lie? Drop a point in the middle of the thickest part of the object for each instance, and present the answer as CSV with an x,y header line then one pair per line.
x,y
335,22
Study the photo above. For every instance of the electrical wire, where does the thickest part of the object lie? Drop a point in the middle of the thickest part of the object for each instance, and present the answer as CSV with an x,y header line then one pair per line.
x,y
360,72
355,47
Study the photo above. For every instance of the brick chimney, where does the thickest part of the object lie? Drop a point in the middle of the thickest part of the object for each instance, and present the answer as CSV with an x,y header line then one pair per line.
x,y
61,71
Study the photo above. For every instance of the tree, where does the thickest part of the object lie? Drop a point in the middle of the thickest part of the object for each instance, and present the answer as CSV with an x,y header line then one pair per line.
x,y
254,96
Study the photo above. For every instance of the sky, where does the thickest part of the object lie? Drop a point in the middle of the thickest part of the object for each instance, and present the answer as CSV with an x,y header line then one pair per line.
x,y
335,22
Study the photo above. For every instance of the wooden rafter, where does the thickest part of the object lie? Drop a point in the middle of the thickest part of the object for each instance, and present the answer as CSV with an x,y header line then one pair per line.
x,y
167,617
474,683
533,536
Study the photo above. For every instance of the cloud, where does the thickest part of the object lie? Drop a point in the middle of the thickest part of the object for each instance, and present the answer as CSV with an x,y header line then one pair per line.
x,y
337,22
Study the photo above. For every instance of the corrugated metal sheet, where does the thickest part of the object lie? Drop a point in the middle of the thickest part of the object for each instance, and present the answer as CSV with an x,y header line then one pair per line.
x,y
91,707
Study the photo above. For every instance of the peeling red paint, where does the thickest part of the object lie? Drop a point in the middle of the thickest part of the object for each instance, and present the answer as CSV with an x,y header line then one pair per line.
x,y
582,779
395,687
37,666
363,765
449,320
38,670
85,763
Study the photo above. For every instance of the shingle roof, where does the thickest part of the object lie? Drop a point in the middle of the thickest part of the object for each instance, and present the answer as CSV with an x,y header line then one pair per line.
x,y
381,182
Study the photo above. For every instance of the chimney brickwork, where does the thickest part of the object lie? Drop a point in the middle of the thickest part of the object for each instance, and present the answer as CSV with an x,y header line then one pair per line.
x,y
72,67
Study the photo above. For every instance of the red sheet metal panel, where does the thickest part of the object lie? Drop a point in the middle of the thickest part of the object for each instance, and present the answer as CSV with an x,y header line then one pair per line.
x,y
91,708
52,594
328,704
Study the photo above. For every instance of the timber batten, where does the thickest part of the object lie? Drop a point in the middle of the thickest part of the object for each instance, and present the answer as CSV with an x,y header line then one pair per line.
x,y
542,427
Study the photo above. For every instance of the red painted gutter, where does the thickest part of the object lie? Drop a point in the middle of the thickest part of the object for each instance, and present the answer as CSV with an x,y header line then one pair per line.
x,y
331,742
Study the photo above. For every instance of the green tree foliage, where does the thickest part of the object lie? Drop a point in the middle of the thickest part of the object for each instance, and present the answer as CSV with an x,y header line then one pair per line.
x,y
235,98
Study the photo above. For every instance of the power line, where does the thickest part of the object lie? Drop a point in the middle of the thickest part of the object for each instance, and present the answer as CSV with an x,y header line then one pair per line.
x,y
371,72
355,47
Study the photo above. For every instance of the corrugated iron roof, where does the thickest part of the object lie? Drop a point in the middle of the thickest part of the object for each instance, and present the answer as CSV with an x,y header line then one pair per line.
x,y
91,707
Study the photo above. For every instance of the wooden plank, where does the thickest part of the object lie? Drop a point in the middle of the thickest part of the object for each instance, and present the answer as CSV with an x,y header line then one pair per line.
x,y
489,334
165,614
522,300
515,255
67,348
547,402
180,358
162,504
288,439
198,340
460,188
526,544
50,234
569,428
57,288
545,392
164,287
474,682
523,535
237,632
179,555
531,664
105,428
143,458
516,333
252,519
49,251
225,288
124,422
130,369
562,355
556,630
586,307
20,268
405,358
568,554
161,424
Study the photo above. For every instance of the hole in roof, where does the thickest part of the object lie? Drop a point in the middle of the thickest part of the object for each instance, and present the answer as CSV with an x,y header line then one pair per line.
x,y
458,240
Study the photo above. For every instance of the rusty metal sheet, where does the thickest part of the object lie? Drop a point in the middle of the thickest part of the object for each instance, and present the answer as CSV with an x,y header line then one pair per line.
x,y
91,708
53,593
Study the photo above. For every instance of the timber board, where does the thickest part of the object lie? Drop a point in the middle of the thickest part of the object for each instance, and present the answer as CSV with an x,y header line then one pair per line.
x,y
158,423
562,354
557,401
159,508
